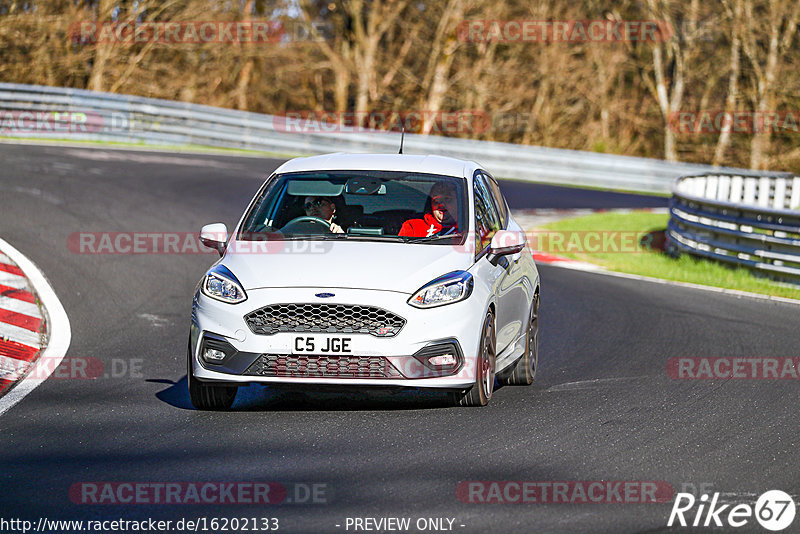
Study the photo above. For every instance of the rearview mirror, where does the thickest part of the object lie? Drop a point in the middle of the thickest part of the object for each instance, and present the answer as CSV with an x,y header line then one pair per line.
x,y
504,243
215,236
364,186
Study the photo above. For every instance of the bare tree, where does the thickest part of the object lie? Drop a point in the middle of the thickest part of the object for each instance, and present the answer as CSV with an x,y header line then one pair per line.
x,y
735,20
103,49
436,77
766,45
669,58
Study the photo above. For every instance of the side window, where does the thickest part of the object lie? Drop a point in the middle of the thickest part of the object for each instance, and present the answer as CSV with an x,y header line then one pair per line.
x,y
499,201
487,223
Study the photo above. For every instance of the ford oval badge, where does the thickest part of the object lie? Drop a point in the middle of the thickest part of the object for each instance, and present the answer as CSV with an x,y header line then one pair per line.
x,y
324,295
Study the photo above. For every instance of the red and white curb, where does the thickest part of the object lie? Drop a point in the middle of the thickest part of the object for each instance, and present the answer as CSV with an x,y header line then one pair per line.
x,y
569,263
34,328
22,326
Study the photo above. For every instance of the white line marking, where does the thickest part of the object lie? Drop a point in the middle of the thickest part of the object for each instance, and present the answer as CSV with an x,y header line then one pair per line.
x,y
20,306
57,326
154,320
20,335
593,383
43,195
5,259
13,280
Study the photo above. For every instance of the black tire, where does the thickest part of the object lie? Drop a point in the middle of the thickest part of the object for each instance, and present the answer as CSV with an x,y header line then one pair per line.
x,y
481,393
525,369
208,396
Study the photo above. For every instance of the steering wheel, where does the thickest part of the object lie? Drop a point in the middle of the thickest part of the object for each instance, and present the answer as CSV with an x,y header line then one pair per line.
x,y
306,224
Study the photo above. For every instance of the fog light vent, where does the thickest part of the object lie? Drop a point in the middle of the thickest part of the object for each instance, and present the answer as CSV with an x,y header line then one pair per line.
x,y
441,357
213,355
215,349
447,359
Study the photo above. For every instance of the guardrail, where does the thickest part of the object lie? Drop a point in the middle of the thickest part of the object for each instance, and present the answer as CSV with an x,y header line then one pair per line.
x,y
131,119
746,219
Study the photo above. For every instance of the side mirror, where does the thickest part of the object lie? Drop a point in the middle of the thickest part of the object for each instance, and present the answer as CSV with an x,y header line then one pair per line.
x,y
504,243
215,236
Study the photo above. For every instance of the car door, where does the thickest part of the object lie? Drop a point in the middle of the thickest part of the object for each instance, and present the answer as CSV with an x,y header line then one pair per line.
x,y
487,223
518,296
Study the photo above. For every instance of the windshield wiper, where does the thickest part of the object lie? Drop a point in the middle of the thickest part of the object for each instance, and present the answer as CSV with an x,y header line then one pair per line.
x,y
432,238
315,237
367,237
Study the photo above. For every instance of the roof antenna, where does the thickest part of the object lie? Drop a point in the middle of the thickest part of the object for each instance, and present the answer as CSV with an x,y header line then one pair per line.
x,y
402,138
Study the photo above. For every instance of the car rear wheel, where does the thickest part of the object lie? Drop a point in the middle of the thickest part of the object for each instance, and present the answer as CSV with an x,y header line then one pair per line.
x,y
480,393
208,396
525,369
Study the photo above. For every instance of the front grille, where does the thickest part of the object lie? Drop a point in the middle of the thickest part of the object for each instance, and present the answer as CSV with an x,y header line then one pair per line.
x,y
290,366
324,318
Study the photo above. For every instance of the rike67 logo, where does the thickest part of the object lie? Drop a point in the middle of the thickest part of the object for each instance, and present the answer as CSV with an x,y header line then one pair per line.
x,y
774,510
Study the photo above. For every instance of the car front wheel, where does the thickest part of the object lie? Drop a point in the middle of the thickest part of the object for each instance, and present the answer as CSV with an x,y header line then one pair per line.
x,y
480,393
208,396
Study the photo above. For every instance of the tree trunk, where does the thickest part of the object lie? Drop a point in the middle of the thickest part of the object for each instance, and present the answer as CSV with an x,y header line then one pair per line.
x,y
103,50
759,148
779,46
443,52
669,86
733,85
246,73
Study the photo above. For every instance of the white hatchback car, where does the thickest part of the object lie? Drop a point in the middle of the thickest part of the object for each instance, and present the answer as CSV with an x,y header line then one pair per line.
x,y
367,271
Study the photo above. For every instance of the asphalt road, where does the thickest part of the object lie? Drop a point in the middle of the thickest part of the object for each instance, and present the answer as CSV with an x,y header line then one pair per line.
x,y
602,407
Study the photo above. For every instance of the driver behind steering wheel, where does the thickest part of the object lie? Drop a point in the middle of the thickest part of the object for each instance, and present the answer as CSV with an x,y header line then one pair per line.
x,y
323,208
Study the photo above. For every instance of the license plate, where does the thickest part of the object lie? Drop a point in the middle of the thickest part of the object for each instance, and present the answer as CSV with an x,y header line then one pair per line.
x,y
322,345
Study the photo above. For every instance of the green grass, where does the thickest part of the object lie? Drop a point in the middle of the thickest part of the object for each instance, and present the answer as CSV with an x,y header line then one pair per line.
x,y
633,258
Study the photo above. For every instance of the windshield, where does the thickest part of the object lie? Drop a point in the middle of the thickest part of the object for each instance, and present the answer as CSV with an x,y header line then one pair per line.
x,y
364,205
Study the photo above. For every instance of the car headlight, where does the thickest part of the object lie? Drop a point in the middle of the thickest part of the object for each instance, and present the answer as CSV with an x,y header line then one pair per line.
x,y
447,289
220,284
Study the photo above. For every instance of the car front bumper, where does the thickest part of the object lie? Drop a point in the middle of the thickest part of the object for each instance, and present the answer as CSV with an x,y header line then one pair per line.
x,y
384,361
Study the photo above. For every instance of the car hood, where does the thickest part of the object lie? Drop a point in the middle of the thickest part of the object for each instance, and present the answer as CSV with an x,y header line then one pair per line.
x,y
399,267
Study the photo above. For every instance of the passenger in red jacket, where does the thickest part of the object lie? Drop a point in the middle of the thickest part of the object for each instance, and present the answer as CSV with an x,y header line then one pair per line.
x,y
443,217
